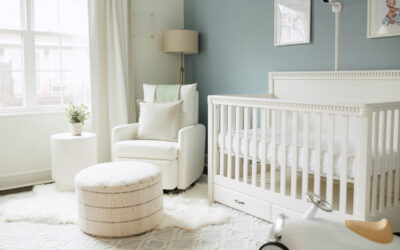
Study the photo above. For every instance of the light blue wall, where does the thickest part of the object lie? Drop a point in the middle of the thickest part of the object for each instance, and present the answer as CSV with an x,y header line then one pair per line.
x,y
237,52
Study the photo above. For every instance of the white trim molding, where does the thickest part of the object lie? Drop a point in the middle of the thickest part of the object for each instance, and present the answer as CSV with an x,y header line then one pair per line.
x,y
28,178
348,75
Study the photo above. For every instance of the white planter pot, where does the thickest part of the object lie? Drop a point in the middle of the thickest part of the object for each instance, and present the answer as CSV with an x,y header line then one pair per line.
x,y
75,128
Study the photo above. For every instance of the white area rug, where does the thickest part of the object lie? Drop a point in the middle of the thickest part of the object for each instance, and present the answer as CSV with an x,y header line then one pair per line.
x,y
188,210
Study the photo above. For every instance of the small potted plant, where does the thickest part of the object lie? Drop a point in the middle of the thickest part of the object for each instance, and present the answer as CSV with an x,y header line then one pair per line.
x,y
76,115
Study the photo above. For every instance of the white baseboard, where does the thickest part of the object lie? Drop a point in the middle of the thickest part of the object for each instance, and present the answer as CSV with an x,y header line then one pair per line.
x,y
24,179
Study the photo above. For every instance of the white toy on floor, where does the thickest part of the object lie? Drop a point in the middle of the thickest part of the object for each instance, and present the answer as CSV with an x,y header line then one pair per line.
x,y
313,233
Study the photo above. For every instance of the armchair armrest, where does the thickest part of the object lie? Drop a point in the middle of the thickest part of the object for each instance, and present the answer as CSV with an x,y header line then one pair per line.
x,y
191,142
123,132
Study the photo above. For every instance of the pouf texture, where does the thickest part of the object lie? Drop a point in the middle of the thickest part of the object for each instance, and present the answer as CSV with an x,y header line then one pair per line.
x,y
118,199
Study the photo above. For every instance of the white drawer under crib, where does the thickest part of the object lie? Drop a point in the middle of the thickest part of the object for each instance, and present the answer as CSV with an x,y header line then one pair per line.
x,y
243,202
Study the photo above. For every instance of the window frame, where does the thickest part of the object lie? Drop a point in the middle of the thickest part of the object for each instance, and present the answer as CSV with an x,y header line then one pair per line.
x,y
30,82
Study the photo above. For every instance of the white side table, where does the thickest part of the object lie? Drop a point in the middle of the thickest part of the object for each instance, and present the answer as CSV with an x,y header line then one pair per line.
x,y
69,155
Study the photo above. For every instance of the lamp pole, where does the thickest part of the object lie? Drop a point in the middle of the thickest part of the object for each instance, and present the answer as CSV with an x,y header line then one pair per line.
x,y
181,70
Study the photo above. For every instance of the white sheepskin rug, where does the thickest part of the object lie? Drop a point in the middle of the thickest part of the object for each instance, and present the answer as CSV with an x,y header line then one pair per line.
x,y
187,210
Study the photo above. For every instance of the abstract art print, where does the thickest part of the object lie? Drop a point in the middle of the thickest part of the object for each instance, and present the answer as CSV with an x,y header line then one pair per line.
x,y
292,22
383,18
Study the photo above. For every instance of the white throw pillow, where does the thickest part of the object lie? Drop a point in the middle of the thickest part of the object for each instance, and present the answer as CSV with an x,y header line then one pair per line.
x,y
159,121
148,92
187,95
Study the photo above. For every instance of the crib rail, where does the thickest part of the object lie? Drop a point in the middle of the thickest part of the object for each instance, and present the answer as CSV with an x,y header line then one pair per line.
x,y
278,104
290,148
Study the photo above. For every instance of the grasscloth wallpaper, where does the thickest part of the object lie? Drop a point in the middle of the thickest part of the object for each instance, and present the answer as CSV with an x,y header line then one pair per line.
x,y
237,52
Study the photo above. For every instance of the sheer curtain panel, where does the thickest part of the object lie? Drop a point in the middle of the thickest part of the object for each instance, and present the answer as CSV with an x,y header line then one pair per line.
x,y
111,69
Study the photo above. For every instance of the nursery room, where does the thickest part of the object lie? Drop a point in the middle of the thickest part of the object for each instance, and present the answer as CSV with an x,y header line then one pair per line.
x,y
200,124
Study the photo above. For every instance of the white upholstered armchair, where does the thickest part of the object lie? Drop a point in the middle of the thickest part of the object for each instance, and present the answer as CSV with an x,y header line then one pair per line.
x,y
181,162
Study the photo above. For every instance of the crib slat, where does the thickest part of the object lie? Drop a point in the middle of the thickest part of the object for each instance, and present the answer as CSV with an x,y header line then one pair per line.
x,y
293,184
284,157
263,147
389,159
306,138
343,164
246,122
396,137
238,127
215,138
356,190
317,170
329,176
273,149
211,146
254,141
222,147
383,161
229,170
376,161
362,187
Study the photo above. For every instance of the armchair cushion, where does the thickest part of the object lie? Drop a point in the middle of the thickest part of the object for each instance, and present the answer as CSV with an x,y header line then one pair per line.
x,y
160,121
146,149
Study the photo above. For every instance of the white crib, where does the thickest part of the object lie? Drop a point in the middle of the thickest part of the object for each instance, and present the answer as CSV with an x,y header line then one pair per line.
x,y
332,133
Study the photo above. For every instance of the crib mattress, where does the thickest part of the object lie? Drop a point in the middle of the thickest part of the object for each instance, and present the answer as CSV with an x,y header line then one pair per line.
x,y
290,153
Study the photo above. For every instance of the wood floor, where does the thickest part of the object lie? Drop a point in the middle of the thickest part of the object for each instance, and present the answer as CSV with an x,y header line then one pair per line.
x,y
16,190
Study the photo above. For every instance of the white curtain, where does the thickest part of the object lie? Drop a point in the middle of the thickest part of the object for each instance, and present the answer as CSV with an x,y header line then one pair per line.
x,y
111,69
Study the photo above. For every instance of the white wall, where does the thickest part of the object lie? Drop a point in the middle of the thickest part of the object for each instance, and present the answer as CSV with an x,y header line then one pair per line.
x,y
150,19
25,147
25,139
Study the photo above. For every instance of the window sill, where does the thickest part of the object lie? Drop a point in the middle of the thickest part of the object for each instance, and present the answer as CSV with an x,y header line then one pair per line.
x,y
33,111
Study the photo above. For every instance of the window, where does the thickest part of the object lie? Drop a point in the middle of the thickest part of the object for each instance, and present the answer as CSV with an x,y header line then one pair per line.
x,y
44,54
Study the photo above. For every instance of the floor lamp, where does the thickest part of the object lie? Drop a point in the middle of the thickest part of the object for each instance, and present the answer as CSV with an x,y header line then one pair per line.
x,y
181,42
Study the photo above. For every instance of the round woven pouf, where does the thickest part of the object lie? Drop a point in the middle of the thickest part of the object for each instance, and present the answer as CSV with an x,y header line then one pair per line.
x,y
118,199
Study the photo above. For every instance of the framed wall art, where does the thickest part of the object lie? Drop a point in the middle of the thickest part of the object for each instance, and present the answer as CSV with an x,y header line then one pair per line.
x,y
292,22
383,18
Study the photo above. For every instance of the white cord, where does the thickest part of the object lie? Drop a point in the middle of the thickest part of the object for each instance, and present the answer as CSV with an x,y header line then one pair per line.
x,y
337,41
336,8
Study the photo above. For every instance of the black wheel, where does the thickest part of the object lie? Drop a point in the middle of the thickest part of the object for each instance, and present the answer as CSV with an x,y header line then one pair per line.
x,y
273,245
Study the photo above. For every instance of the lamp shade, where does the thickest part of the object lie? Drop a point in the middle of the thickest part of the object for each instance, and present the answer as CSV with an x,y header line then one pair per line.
x,y
181,41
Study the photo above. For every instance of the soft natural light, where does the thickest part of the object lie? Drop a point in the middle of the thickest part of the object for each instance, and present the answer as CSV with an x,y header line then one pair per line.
x,y
64,16
56,40
10,17
11,71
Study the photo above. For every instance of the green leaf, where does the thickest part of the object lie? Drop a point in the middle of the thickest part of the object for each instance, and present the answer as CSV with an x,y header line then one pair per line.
x,y
77,113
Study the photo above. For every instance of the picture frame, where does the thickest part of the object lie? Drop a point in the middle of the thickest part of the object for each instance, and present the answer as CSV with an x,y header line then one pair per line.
x,y
383,21
292,22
